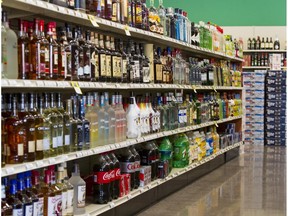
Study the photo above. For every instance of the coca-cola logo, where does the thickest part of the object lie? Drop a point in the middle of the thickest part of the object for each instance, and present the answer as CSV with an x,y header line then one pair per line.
x,y
117,173
106,176
130,166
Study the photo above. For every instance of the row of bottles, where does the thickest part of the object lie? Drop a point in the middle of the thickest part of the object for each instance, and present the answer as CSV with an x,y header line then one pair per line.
x,y
37,127
258,44
48,192
262,59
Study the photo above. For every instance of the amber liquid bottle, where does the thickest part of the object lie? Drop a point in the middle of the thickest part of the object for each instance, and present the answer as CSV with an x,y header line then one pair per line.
x,y
62,55
36,189
6,209
108,59
52,69
23,51
15,136
102,60
49,195
96,57
39,130
29,125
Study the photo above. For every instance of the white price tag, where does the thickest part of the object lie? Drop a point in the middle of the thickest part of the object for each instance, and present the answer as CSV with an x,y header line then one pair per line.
x,y
10,170
41,4
127,31
112,205
129,196
39,163
29,166
52,161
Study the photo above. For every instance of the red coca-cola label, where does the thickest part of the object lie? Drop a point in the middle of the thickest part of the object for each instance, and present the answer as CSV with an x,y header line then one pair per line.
x,y
141,176
101,177
127,167
112,175
117,173
127,179
122,186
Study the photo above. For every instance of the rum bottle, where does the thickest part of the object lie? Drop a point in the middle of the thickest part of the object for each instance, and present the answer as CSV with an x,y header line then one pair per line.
x,y
108,59
102,60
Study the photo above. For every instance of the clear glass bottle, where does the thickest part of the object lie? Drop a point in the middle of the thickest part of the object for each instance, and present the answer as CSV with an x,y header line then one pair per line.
x,y
79,186
73,126
23,51
53,72
4,47
133,120
70,191
162,16
80,133
112,117
63,188
85,122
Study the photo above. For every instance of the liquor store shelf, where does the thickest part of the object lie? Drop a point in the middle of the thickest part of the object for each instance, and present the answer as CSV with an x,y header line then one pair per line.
x,y
69,15
258,67
96,209
266,51
17,83
10,169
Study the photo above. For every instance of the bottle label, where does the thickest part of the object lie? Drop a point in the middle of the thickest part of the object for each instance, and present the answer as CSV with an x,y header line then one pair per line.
x,y
108,65
117,173
54,142
68,65
67,139
58,204
95,64
146,74
159,74
138,14
101,177
40,206
31,146
35,208
18,212
114,11
127,167
46,144
28,210
55,55
137,166
64,201
81,196
70,195
115,66
39,145
103,64
51,205
182,116
20,149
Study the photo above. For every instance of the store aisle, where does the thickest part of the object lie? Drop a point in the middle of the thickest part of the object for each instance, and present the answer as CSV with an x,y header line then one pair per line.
x,y
253,184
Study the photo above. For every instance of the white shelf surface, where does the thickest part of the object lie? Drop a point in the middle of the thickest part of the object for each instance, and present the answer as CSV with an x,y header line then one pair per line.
x,y
11,169
52,84
96,209
266,51
65,14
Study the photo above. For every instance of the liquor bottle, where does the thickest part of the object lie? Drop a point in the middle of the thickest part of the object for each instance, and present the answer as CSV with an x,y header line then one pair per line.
x,y
13,200
124,62
86,57
153,17
80,5
102,60
249,44
267,43
262,46
63,187
70,191
52,118
258,43
79,186
276,44
28,191
112,118
66,124
108,9
133,120
170,22
85,123
73,136
118,119
11,48
91,115
38,126
138,14
123,118
137,55
80,133
145,65
162,16
60,121
52,69
152,114
271,45
80,42
16,133
36,189
158,72
4,47
21,195
116,10
63,53
117,62
262,60
29,124
72,55
103,122
39,52
114,61
49,195
132,13
134,63
253,44
6,209
94,57
124,11
23,51
145,15
108,59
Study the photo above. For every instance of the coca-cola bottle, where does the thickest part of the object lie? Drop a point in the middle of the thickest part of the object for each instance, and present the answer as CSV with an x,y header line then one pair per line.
x,y
117,173
127,160
111,175
101,180
156,158
136,166
148,157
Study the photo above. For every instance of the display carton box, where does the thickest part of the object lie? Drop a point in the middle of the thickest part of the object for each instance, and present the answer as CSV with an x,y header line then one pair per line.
x,y
276,96
276,74
276,104
275,89
278,142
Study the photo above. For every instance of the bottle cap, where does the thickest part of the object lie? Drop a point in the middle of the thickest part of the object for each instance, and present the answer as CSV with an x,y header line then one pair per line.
x,y
170,10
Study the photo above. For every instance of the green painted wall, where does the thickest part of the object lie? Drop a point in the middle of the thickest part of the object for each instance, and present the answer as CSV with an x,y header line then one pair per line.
x,y
233,12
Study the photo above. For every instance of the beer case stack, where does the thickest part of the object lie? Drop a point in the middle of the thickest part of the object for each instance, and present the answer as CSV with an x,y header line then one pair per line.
x,y
275,109
254,102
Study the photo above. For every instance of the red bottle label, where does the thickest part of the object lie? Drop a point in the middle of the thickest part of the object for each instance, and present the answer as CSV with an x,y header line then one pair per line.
x,y
112,175
117,173
101,177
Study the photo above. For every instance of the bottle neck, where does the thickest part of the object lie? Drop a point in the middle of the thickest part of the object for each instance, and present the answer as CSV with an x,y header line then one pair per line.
x,y
69,107
22,104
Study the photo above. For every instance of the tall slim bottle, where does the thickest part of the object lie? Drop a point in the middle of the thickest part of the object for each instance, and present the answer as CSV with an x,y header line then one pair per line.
x,y
49,195
70,191
102,60
92,116
23,51
80,137
28,191
162,16
52,69
27,201
13,200
85,123
36,189
73,126
112,117
3,48
103,123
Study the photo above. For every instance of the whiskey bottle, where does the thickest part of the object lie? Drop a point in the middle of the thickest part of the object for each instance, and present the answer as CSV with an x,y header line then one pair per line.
x,y
13,201
23,51
85,123
116,7
66,124
29,124
62,53
139,78
108,59
36,189
134,63
49,195
39,52
73,126
38,126
114,61
145,65
124,62
102,60
158,72
6,209
21,195
46,129
95,59
52,70
93,55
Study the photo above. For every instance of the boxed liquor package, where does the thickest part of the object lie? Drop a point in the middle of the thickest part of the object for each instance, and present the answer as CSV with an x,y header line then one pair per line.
x,y
254,93
275,108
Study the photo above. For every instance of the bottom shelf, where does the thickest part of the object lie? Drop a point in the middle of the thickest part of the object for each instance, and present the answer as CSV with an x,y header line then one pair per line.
x,y
96,209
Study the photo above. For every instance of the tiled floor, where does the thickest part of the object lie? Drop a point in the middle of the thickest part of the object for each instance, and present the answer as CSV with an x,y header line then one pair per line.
x,y
253,184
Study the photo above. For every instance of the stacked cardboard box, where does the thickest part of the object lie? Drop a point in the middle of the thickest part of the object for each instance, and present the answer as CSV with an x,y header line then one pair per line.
x,y
254,102
275,108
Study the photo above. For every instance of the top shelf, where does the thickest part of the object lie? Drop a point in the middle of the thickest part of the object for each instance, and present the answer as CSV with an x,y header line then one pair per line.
x,y
267,51
68,15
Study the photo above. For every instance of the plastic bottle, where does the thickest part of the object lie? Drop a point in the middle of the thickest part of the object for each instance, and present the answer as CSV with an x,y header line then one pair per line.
x,y
116,185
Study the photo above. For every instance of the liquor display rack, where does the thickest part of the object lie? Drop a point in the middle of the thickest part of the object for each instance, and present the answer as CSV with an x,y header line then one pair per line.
x,y
18,168
58,85
265,51
259,67
94,209
69,15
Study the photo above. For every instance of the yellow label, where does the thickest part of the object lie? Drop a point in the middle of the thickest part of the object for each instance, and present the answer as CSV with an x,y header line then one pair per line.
x,y
103,64
159,74
76,87
108,65
93,20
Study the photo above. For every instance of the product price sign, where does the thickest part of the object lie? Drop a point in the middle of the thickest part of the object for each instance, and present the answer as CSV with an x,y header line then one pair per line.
x,y
76,87
93,20
126,29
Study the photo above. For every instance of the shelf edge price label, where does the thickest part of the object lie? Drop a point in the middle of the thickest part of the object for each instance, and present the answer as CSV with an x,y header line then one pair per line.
x,y
126,29
93,20
76,87
214,88
215,123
